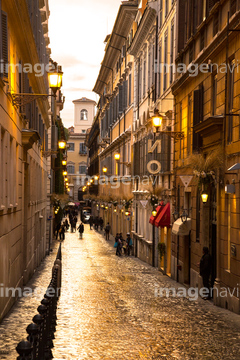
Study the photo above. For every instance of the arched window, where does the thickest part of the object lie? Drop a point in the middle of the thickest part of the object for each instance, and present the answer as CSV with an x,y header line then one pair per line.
x,y
71,168
84,114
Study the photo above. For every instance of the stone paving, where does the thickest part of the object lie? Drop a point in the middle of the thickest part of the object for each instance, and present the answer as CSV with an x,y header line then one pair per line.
x,y
108,310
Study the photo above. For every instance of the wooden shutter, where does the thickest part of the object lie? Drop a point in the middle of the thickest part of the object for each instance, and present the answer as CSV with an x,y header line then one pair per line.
x,y
181,24
120,102
197,117
4,39
129,89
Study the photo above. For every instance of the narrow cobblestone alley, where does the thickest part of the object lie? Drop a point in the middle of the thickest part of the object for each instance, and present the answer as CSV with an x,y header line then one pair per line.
x,y
108,310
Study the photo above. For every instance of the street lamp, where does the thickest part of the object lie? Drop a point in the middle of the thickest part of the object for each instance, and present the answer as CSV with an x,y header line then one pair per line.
x,y
175,215
117,156
157,119
154,213
204,197
184,216
62,144
64,162
64,173
104,169
55,80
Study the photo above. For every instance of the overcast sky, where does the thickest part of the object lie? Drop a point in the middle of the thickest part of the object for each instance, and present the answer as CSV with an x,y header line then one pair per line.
x,y
77,29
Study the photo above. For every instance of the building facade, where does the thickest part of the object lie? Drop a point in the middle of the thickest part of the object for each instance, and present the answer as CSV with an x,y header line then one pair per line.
x,y
206,99
24,138
114,85
77,164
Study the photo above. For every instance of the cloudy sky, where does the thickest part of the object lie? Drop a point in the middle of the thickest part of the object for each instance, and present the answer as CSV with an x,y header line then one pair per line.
x,y
77,29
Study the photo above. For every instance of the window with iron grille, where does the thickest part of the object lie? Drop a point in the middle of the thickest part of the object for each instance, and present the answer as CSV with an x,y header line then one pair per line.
x,y
82,149
71,169
82,169
71,146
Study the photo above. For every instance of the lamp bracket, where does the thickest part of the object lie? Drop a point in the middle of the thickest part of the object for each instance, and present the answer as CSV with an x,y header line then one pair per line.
x,y
49,153
25,98
177,135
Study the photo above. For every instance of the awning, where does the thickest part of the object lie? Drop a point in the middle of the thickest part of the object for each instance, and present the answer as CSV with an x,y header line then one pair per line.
x,y
180,228
164,217
158,209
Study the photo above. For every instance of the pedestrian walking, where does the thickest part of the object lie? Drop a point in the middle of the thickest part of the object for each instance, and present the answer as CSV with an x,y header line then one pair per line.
x,y
118,245
62,232
57,228
91,222
81,230
129,244
101,223
205,270
107,230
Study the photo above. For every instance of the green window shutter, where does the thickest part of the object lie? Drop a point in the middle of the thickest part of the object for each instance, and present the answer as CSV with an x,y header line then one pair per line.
x,y
4,48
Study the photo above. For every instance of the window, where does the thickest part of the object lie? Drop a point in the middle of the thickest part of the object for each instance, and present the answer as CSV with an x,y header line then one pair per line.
x,y
82,149
202,40
171,53
159,68
4,44
166,8
83,131
83,114
215,23
230,99
71,146
189,124
214,94
165,60
71,169
198,197
82,169
160,15
129,89
233,7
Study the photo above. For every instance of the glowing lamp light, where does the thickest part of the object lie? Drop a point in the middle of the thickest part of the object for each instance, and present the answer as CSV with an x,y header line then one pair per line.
x,y
91,181
117,156
67,183
68,189
61,144
204,197
64,173
154,213
157,119
104,169
55,80
88,183
95,177
66,179
115,210
106,207
64,162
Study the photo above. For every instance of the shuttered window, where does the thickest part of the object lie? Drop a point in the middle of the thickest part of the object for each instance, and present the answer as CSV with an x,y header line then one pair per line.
x,y
4,47
120,99
197,117
129,89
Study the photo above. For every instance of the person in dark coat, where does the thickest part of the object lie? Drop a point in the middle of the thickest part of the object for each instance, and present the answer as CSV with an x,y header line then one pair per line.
x,y
205,269
81,230
91,222
107,230
62,232
57,230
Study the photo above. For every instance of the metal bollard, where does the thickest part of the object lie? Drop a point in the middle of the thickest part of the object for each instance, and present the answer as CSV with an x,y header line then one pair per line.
x,y
33,332
24,349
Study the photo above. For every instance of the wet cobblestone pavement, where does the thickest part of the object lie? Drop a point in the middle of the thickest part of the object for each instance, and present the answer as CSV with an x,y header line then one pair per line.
x,y
108,310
